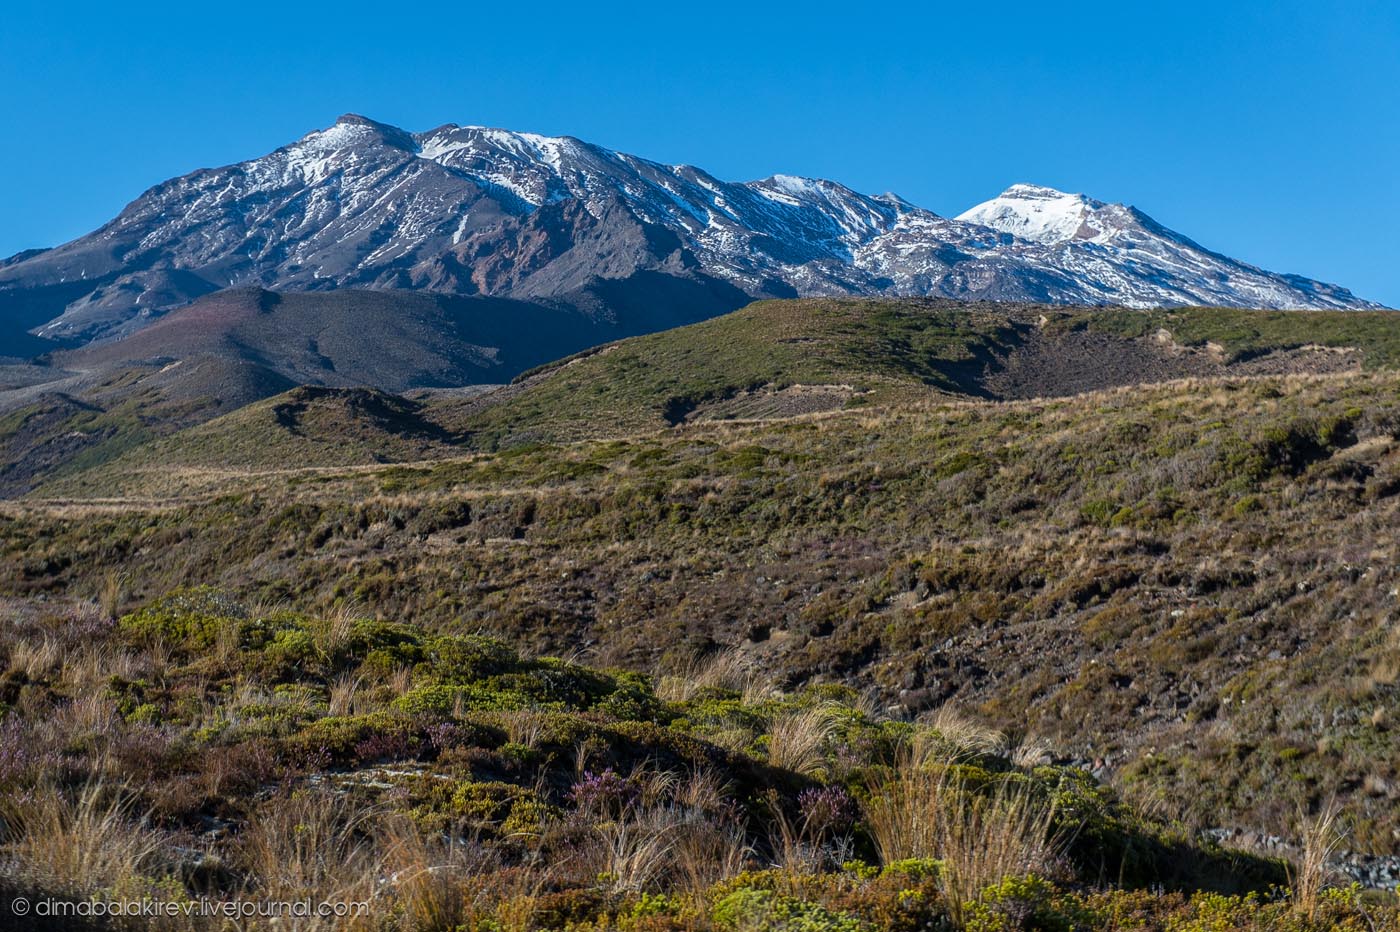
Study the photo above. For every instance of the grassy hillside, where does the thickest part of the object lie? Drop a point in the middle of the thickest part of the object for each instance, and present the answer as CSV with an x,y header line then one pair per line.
x,y
1188,582
776,359
1243,333
878,351
52,431
392,340
887,351
305,427
342,758
1089,631
85,407
870,353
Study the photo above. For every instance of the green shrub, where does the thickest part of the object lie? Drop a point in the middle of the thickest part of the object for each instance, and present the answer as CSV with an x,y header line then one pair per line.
x,y
633,699
440,700
462,659
397,644
338,735
291,647
493,801
188,619
916,870
1028,902
748,910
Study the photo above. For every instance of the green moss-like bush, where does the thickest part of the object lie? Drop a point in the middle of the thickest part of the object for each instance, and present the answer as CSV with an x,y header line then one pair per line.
x,y
338,736
915,869
462,659
748,910
1028,902
188,619
440,700
492,801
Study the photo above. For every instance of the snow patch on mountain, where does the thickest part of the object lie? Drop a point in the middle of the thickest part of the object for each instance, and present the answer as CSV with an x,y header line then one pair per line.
x,y
1039,214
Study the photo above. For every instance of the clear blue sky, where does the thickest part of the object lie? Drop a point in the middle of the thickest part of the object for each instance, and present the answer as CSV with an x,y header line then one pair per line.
x,y
1266,130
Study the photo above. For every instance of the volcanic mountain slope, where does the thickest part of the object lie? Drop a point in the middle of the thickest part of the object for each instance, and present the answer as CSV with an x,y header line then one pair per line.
x,y
389,340
241,345
471,210
770,361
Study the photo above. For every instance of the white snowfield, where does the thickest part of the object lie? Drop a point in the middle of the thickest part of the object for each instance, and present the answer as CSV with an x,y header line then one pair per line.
x,y
1039,214
362,204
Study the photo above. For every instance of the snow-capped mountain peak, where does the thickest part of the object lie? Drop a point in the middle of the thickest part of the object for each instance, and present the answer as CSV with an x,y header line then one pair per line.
x,y
1038,213
480,210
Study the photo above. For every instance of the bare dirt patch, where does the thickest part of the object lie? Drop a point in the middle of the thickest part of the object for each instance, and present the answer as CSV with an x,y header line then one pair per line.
x,y
772,402
1044,365
1302,360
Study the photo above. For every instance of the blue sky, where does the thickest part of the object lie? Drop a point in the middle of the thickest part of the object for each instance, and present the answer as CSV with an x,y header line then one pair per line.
x,y
1268,130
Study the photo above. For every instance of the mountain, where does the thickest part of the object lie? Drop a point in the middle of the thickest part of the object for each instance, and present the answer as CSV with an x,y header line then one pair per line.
x,y
1127,258
352,337
468,210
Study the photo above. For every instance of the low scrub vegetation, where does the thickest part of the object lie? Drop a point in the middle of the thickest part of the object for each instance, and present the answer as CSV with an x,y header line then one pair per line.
x,y
1189,586
190,749
889,657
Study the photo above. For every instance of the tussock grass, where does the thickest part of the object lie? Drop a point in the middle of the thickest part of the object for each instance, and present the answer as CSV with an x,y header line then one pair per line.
x,y
951,736
111,592
798,740
344,692
435,882
978,838
308,845
80,841
727,669
1312,872
35,659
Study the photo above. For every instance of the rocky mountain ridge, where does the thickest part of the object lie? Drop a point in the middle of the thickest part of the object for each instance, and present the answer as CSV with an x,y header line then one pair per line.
x,y
470,210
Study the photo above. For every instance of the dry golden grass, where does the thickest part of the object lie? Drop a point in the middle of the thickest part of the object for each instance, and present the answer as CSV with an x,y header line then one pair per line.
x,y
1032,752
436,881
670,844
655,787
111,592
35,659
707,853
704,790
337,626
980,838
89,667
638,849
1321,836
523,726
728,669
400,681
343,694
79,842
798,741
951,736
307,845
89,716
905,811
